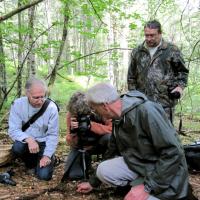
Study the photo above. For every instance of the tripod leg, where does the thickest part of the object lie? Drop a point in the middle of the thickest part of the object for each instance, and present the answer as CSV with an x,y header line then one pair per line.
x,y
84,164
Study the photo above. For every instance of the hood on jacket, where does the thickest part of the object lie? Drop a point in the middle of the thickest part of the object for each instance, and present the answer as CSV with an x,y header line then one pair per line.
x,y
132,99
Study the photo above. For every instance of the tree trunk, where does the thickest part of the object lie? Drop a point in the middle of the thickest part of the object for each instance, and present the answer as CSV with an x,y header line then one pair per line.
x,y
20,46
50,34
31,57
3,81
115,55
64,36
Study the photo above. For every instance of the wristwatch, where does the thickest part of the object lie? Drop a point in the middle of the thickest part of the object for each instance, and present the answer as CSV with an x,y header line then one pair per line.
x,y
147,188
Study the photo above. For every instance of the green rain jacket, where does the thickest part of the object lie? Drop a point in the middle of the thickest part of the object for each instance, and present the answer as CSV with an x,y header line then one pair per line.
x,y
157,76
150,147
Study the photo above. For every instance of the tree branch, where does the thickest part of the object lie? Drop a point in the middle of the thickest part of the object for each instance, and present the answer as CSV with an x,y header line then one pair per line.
x,y
97,52
155,13
190,58
181,22
22,65
96,12
19,9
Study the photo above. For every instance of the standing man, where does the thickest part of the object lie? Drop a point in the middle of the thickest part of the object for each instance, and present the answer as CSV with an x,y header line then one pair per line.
x,y
144,149
37,144
157,69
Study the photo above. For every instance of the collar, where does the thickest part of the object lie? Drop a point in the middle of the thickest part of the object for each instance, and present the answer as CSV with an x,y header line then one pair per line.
x,y
162,45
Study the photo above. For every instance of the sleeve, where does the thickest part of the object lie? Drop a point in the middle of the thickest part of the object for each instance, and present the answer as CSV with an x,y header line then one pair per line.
x,y
179,68
94,181
101,129
15,124
52,133
131,76
68,117
166,145
70,138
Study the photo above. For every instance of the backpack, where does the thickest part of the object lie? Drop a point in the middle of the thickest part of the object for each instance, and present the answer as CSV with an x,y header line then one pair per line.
x,y
192,154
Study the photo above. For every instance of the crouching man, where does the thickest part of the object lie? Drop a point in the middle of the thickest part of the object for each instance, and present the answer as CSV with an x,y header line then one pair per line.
x,y
35,144
144,150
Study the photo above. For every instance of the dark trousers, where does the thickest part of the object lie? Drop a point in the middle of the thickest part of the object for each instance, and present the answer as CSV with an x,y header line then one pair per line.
x,y
101,145
32,160
78,162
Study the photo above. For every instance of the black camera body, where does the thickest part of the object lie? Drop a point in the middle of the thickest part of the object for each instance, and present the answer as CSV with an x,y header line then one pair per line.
x,y
85,135
174,95
83,123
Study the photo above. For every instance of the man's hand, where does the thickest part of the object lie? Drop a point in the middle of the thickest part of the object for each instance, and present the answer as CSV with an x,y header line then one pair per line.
x,y
84,187
32,145
137,193
178,89
45,160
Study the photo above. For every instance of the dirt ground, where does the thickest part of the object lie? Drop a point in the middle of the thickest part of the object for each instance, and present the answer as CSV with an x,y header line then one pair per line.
x,y
29,187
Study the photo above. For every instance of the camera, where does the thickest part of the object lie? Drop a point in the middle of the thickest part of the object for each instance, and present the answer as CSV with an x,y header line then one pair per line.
x,y
5,178
85,135
174,95
83,123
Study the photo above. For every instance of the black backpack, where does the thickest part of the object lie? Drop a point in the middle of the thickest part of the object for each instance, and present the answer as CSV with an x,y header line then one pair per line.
x,y
192,154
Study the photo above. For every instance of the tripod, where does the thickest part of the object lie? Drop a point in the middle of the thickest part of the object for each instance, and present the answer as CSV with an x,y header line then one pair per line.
x,y
83,151
76,165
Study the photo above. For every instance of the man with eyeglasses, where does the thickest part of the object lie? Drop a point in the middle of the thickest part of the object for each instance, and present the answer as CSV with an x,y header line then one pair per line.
x,y
37,144
144,153
157,69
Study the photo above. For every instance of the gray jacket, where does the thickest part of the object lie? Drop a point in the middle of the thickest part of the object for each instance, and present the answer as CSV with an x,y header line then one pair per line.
x,y
150,147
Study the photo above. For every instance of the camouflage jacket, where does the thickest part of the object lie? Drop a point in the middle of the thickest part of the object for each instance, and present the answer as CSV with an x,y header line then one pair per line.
x,y
155,77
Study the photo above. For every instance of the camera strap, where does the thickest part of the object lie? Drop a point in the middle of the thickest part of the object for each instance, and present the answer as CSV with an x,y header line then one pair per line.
x,y
36,115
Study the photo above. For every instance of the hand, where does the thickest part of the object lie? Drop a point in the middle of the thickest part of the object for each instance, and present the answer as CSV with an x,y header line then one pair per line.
x,y
32,145
45,160
84,187
137,193
178,89
74,123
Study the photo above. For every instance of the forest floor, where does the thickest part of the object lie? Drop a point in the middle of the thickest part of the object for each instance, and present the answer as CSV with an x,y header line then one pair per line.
x,y
29,187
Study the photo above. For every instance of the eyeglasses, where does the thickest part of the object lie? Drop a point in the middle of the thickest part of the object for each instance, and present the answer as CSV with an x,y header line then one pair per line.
x,y
37,98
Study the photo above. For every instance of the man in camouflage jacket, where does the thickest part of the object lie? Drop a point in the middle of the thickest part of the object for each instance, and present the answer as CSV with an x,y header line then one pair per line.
x,y
157,69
